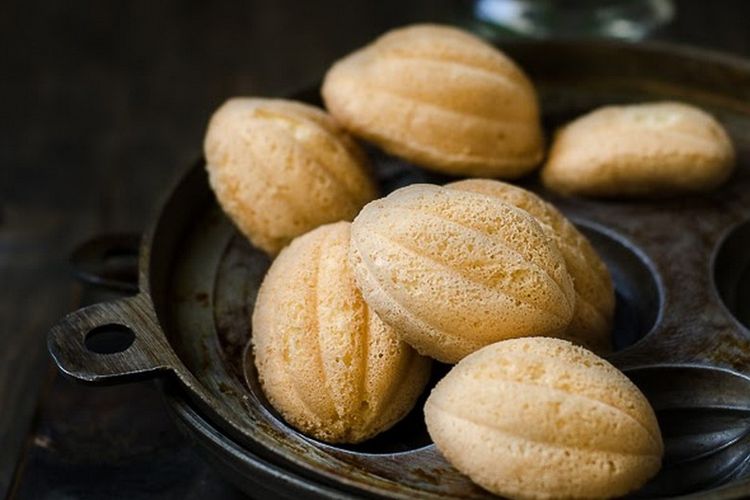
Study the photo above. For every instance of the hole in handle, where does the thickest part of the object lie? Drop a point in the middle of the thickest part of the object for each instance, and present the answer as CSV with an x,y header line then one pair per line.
x,y
109,339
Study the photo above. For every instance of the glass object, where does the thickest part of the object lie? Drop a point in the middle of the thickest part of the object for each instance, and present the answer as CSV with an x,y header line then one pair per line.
x,y
625,19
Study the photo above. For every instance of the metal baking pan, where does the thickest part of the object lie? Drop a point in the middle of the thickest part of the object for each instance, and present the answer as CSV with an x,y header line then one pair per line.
x,y
681,268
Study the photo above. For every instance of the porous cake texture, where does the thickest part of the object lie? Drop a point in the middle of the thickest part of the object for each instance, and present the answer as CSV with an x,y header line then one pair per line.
x,y
281,168
591,325
442,98
453,271
650,150
541,418
325,361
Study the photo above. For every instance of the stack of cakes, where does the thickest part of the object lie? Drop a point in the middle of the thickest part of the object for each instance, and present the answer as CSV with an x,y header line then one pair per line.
x,y
478,273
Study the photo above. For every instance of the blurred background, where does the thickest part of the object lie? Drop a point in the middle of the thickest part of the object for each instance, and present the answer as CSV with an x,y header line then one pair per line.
x,y
103,103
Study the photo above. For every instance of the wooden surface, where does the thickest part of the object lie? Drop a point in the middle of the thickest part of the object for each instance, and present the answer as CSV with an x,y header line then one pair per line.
x,y
103,102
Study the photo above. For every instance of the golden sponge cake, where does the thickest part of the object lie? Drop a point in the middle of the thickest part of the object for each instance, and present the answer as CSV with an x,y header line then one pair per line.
x,y
280,168
541,418
325,361
651,150
439,97
591,325
453,271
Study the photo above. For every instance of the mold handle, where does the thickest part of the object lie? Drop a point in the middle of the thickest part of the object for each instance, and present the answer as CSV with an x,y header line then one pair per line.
x,y
139,349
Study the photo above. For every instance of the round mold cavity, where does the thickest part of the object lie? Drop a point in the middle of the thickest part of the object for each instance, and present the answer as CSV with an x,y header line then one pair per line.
x,y
731,268
704,417
638,300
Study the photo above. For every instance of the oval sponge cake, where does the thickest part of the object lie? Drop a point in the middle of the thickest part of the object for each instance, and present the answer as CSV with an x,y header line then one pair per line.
x,y
439,97
325,361
280,168
595,297
652,150
454,271
542,418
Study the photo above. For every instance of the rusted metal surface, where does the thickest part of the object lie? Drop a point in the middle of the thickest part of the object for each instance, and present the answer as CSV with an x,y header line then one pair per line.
x,y
117,442
198,279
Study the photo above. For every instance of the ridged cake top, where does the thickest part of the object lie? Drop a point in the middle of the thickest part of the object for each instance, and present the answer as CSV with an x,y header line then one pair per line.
x,y
325,360
542,418
648,149
280,168
454,270
440,97
595,298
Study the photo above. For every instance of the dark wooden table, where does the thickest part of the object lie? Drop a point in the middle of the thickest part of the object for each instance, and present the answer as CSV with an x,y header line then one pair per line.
x,y
102,104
